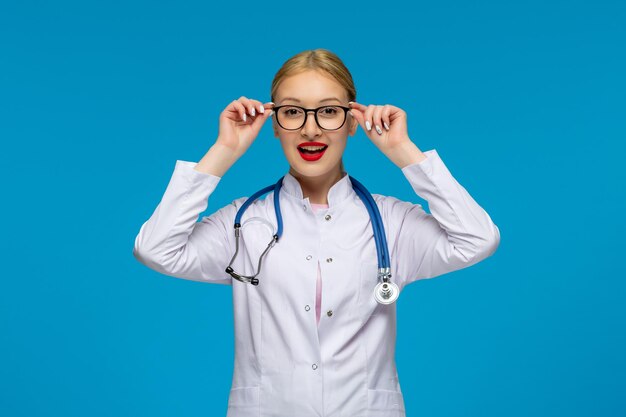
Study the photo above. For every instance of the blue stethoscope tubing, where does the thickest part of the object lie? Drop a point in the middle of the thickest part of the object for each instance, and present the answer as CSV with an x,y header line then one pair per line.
x,y
385,292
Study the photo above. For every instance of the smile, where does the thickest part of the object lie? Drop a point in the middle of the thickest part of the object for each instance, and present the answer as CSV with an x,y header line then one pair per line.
x,y
312,152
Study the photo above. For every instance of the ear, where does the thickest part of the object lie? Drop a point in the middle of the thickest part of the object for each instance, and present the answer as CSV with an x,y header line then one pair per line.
x,y
275,127
353,125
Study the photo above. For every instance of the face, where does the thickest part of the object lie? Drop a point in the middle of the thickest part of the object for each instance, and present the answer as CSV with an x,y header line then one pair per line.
x,y
311,89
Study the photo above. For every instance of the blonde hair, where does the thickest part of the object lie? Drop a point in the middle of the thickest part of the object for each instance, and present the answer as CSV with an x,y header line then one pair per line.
x,y
316,59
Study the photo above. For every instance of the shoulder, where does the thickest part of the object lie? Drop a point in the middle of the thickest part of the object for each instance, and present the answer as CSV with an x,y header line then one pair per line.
x,y
391,203
228,212
395,211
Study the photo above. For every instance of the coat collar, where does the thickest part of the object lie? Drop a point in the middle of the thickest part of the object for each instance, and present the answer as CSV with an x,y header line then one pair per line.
x,y
339,191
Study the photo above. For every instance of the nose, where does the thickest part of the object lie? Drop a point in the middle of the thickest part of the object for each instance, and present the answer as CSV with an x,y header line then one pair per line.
x,y
310,128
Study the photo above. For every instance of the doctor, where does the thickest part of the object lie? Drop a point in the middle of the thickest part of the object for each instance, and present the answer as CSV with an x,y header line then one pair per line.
x,y
310,338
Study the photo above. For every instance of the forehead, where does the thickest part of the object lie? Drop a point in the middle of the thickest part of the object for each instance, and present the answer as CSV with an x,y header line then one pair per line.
x,y
310,87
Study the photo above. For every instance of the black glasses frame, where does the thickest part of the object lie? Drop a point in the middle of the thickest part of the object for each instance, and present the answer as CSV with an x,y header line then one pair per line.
x,y
306,114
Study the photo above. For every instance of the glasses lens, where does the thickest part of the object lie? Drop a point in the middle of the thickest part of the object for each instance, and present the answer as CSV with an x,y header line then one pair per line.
x,y
328,117
331,117
290,117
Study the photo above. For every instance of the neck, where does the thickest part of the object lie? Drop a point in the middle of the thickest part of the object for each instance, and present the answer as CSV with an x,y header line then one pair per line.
x,y
316,188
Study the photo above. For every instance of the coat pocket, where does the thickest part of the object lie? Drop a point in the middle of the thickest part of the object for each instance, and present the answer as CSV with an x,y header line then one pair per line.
x,y
244,397
385,400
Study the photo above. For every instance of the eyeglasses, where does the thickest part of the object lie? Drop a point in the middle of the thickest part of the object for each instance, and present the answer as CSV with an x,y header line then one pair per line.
x,y
291,117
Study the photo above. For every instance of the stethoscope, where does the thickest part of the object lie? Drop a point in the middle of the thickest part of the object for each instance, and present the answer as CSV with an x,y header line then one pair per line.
x,y
385,292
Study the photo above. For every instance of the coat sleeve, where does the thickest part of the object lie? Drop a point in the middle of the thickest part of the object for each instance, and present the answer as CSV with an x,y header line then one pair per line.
x,y
174,243
457,234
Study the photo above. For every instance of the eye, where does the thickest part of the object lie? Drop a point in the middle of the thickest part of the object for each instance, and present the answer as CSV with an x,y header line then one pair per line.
x,y
329,111
291,111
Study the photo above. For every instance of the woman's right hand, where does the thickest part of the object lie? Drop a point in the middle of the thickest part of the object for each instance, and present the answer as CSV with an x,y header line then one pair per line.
x,y
240,123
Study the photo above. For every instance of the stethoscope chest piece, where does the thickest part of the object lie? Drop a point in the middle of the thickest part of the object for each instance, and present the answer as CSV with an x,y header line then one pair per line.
x,y
386,292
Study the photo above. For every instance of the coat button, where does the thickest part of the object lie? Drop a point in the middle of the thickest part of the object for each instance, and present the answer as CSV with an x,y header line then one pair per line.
x,y
329,313
307,308
314,366
329,260
303,207
327,217
308,258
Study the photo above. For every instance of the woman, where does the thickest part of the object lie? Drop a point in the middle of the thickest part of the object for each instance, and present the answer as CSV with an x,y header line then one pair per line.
x,y
310,338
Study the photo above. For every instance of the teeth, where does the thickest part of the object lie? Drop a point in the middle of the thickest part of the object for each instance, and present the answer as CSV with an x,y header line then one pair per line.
x,y
312,148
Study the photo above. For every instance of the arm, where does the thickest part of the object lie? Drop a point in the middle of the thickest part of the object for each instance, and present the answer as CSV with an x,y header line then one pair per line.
x,y
172,242
457,234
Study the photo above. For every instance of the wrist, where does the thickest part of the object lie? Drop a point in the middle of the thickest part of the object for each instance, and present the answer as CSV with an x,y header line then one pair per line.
x,y
217,160
405,154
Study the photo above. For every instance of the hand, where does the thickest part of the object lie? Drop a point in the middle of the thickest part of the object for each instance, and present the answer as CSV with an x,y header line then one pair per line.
x,y
240,123
388,130
391,121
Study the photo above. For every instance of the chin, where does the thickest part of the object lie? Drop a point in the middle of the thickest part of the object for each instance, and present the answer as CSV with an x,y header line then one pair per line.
x,y
313,169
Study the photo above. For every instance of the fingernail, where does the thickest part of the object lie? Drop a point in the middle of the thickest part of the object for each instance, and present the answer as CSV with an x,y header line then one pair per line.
x,y
244,117
386,125
252,112
271,112
350,113
368,125
380,132
261,109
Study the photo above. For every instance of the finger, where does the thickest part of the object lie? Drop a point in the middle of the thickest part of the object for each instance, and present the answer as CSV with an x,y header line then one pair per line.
x,y
249,105
269,105
385,115
376,119
358,116
236,107
368,117
259,120
260,107
261,117
257,106
356,105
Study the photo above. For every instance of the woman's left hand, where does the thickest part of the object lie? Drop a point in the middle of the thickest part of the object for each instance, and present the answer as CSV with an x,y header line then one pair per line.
x,y
386,126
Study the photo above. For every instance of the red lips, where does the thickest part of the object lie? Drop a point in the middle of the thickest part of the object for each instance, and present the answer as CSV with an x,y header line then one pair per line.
x,y
312,155
312,144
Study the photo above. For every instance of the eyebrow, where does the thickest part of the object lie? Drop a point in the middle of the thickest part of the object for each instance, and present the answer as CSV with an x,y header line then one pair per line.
x,y
321,101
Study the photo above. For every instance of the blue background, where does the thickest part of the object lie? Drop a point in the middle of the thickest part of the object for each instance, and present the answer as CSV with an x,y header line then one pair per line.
x,y
524,102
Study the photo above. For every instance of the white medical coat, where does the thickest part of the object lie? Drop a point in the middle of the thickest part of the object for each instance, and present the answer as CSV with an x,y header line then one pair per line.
x,y
285,366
